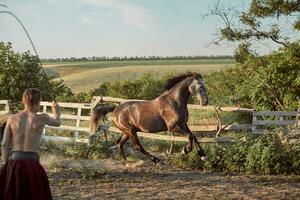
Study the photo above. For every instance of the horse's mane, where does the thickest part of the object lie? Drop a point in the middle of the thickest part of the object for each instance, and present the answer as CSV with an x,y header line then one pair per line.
x,y
173,81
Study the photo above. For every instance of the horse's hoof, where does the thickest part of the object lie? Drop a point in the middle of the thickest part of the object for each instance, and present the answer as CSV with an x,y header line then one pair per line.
x,y
183,151
201,153
156,161
160,163
126,165
203,158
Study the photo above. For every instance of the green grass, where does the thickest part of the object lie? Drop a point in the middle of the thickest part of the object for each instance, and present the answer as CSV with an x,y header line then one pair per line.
x,y
84,76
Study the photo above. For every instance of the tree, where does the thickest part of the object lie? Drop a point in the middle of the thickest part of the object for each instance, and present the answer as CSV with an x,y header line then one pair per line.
x,y
19,71
259,22
264,82
272,82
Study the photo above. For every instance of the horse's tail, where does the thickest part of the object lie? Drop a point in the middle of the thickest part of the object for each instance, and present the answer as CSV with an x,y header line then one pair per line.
x,y
98,113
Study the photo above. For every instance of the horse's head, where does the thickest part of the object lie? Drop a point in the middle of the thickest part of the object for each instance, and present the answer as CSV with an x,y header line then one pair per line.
x,y
197,89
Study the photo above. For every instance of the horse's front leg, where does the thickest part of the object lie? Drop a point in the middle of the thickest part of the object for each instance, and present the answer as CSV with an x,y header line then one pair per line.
x,y
187,149
192,138
172,127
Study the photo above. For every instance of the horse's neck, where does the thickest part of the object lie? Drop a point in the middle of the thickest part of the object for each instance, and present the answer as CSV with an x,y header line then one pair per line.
x,y
180,93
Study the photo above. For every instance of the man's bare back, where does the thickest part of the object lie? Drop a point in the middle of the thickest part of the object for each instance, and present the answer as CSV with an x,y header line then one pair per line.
x,y
27,128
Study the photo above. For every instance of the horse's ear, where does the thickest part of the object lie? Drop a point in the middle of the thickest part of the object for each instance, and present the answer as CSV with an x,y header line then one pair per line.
x,y
195,75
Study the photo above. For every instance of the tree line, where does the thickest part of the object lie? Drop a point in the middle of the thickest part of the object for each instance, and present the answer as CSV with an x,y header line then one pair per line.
x,y
134,58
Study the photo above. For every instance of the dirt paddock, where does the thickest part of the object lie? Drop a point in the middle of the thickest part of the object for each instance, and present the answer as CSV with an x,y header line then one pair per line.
x,y
110,179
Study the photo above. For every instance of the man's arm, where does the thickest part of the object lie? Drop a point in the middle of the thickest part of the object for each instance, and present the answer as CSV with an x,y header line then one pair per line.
x,y
6,141
55,120
52,121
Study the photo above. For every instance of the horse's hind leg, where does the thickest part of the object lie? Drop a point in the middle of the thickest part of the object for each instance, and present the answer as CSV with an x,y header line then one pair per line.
x,y
121,143
139,147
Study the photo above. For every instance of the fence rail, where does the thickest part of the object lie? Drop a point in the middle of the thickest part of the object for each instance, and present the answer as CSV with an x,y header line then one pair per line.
x,y
78,117
174,138
273,122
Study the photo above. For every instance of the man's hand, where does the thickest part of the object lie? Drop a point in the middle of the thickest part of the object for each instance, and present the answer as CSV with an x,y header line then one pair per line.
x,y
56,109
55,120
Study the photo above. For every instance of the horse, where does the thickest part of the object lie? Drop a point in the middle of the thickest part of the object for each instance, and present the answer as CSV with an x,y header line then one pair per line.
x,y
168,112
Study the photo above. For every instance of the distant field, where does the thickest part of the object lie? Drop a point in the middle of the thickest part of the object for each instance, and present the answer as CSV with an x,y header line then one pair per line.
x,y
84,76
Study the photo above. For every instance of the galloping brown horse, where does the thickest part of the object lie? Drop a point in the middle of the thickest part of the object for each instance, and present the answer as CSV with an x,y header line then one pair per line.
x,y
168,112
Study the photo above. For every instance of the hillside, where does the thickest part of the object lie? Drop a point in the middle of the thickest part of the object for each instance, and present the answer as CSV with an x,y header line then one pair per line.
x,y
84,76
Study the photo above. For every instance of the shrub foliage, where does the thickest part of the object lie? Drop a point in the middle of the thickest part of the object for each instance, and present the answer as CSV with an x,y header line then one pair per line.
x,y
250,154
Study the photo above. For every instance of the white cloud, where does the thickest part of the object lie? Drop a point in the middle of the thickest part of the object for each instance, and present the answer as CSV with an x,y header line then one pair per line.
x,y
132,15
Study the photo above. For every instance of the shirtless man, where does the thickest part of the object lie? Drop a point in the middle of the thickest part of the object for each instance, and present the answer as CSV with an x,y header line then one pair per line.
x,y
24,131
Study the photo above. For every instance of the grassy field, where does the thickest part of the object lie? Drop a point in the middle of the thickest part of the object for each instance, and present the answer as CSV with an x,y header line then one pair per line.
x,y
84,76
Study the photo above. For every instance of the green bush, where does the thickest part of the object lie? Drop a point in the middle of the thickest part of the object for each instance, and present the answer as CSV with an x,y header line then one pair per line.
x,y
145,87
265,156
293,156
251,154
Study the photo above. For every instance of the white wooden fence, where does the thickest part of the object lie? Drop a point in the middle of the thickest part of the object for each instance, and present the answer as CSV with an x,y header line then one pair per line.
x,y
5,105
78,118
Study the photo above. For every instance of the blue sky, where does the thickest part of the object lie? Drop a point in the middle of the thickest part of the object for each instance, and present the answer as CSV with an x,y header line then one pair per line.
x,y
65,28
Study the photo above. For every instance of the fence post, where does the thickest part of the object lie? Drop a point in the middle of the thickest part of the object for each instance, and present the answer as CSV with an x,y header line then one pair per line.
x,y
171,145
76,134
7,106
44,111
254,131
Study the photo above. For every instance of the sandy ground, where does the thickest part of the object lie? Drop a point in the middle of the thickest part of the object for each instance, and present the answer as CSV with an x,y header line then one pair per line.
x,y
110,179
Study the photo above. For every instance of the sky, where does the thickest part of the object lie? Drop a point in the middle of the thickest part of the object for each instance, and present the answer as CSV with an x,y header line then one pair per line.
x,y
77,28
